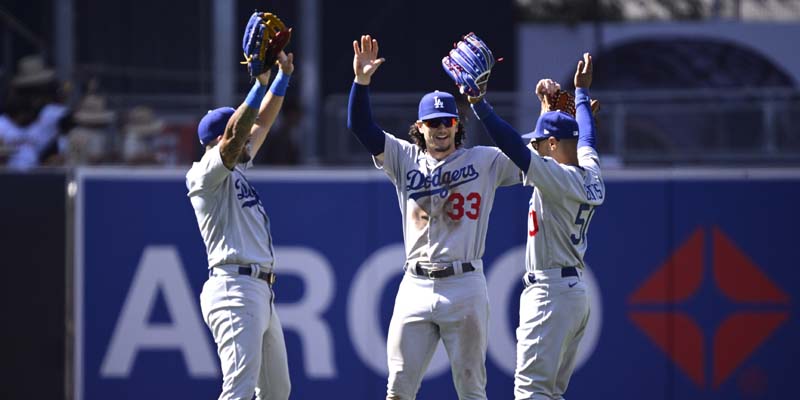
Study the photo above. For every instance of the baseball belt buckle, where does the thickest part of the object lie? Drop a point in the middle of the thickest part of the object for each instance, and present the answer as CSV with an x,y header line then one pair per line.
x,y
430,273
438,273
272,278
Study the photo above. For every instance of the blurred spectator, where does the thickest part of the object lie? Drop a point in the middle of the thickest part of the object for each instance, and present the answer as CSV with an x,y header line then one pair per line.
x,y
92,138
145,140
13,124
280,147
34,117
37,83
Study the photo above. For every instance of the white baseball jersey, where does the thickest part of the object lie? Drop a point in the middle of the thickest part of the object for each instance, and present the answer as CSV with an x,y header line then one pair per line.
x,y
561,208
445,204
24,154
232,220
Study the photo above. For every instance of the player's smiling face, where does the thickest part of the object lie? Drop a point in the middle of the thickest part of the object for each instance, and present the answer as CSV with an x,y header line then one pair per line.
x,y
440,139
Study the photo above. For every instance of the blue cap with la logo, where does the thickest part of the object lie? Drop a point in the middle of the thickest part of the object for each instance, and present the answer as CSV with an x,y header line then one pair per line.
x,y
557,124
437,104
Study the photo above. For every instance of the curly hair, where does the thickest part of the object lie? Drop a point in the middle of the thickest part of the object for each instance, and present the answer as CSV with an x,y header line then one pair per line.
x,y
419,139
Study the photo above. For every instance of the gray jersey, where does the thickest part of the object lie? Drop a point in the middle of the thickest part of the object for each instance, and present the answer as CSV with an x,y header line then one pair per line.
x,y
561,208
445,204
232,220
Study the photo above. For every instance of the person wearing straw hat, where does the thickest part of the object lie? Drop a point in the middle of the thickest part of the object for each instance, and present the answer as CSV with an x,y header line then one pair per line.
x,y
42,116
143,137
32,72
90,140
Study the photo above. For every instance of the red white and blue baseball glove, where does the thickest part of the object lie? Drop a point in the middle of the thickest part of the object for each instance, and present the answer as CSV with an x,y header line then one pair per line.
x,y
264,37
469,65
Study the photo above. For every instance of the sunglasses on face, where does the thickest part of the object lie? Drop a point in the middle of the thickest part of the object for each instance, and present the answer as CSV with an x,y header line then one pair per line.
x,y
446,121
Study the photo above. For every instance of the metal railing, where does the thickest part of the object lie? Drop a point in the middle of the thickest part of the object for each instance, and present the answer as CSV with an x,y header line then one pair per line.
x,y
12,29
394,113
708,126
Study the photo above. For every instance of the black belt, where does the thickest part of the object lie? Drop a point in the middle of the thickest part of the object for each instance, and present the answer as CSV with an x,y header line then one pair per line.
x,y
530,278
268,277
443,272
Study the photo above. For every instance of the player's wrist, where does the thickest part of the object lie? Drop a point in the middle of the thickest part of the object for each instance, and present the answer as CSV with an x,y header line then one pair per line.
x,y
280,84
264,77
363,80
581,95
482,109
255,95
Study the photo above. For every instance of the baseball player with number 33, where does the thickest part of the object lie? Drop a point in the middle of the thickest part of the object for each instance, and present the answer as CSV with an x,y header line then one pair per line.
x,y
445,193
563,167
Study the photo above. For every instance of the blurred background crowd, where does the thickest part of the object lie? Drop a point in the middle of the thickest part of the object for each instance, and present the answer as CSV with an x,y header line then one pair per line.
x,y
87,82
46,121
49,122
45,124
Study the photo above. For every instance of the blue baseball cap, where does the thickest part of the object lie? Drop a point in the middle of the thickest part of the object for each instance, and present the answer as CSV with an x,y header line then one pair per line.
x,y
557,124
213,124
437,104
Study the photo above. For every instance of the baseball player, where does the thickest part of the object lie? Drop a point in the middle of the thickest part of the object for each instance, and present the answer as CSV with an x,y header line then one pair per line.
x,y
445,193
563,167
237,300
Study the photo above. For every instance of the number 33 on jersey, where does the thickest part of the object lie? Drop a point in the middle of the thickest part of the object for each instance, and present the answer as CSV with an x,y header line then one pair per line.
x,y
442,201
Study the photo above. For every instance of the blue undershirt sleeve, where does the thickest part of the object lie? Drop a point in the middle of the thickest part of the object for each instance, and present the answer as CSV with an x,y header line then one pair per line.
x,y
583,114
359,120
507,139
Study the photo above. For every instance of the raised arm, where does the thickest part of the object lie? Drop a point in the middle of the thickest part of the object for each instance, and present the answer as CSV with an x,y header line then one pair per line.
x,y
237,131
272,102
359,113
583,104
264,38
506,137
469,65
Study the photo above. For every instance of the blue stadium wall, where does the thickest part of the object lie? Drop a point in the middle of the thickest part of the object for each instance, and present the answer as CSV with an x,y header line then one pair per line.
x,y
693,277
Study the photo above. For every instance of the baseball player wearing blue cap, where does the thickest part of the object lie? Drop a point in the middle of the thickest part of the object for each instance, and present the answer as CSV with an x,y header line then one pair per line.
x,y
237,299
445,193
563,167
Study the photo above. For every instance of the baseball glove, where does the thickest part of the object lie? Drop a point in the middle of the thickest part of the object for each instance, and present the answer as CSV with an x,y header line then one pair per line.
x,y
469,65
560,101
264,37
565,101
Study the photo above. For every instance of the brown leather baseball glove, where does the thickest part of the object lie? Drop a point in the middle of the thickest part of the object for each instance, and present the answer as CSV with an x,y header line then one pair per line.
x,y
565,101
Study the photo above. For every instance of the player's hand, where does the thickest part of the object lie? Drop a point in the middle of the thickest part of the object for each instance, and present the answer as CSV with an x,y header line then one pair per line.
x,y
583,74
546,87
365,59
285,62
263,78
544,90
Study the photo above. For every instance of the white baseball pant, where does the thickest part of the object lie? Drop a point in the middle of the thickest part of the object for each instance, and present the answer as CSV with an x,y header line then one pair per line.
x,y
240,312
454,309
553,314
